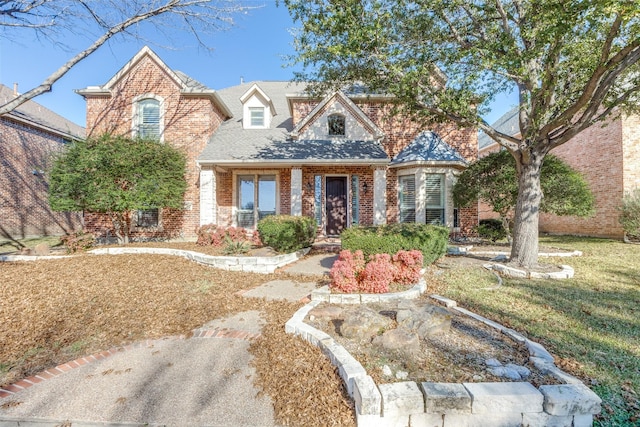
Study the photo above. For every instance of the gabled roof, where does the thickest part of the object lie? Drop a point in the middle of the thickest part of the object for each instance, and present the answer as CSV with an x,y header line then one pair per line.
x,y
231,144
508,124
34,114
256,89
351,106
428,148
187,85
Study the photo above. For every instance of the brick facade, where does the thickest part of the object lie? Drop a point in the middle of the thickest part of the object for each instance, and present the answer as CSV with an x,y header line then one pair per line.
x,y
188,121
608,156
26,153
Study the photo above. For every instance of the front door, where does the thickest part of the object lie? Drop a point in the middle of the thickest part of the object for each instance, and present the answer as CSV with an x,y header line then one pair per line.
x,y
336,204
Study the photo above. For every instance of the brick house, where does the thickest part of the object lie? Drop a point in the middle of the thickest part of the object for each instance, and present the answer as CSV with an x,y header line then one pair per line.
x,y
29,136
267,147
609,158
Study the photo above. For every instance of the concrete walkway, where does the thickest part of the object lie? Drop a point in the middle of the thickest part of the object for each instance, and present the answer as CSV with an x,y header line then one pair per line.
x,y
204,380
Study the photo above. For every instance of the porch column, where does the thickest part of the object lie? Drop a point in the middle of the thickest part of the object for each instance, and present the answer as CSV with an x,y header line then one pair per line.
x,y
207,197
296,191
420,197
379,196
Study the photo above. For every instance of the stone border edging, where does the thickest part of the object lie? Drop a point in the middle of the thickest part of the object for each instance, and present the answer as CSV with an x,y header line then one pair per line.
x,y
566,273
446,404
466,250
251,264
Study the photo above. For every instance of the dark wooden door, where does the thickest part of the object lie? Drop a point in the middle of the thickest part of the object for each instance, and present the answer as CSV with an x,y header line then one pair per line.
x,y
336,204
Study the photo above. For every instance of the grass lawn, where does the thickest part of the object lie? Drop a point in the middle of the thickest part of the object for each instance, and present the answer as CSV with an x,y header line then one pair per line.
x,y
591,323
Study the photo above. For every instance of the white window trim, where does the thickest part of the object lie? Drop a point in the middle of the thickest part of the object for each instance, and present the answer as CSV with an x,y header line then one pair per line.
x,y
255,173
135,121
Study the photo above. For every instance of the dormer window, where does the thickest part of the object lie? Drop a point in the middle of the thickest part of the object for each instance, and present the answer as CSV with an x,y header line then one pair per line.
x,y
257,116
257,109
336,123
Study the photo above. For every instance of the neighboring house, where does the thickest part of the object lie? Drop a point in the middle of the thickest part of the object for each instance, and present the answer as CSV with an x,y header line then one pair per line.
x,y
608,156
266,148
29,136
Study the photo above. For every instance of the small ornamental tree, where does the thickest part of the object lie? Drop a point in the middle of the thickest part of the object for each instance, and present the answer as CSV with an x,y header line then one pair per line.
x,y
630,215
116,176
492,179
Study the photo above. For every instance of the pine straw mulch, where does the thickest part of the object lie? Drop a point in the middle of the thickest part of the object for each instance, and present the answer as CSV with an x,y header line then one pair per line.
x,y
53,311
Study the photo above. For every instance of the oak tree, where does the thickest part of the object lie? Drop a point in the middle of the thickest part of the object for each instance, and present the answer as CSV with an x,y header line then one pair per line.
x,y
574,63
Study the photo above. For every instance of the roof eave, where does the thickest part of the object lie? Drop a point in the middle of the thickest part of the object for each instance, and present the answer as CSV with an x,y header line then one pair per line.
x,y
436,163
33,123
210,94
289,163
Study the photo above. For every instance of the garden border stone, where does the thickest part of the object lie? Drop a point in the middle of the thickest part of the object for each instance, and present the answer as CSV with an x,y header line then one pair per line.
x,y
507,403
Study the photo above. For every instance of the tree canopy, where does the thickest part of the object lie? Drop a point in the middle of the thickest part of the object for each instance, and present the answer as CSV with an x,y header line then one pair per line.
x,y
492,179
116,176
57,21
573,63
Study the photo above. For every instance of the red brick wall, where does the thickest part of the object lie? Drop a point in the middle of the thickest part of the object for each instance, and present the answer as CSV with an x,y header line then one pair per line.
x,y
188,124
24,206
631,147
597,154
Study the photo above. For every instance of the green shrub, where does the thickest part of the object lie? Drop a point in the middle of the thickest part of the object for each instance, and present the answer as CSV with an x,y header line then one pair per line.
x,y
233,247
431,240
630,214
491,229
286,233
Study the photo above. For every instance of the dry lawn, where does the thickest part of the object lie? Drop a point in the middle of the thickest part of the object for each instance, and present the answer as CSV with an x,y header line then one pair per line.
x,y
55,311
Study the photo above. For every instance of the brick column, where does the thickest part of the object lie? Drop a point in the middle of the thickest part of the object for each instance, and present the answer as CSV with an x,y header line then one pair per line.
x,y
207,196
380,196
296,191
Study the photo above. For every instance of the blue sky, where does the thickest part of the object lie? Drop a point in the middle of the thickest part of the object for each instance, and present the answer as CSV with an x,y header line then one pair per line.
x,y
253,49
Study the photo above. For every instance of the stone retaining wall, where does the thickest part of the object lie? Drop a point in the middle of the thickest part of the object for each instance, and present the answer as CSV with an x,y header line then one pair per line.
x,y
252,264
429,404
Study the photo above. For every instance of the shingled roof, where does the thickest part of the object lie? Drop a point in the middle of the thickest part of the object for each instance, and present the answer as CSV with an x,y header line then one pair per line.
x,y
507,124
429,148
232,144
36,115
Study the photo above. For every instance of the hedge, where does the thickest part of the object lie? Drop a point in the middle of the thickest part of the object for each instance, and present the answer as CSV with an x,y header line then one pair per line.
x,y
286,233
431,240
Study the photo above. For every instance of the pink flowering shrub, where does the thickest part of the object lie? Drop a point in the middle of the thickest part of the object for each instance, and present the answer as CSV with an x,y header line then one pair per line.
x,y
213,235
345,271
377,274
408,265
350,273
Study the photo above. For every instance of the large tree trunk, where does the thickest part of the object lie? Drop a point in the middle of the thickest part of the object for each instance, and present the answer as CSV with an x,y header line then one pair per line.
x,y
524,249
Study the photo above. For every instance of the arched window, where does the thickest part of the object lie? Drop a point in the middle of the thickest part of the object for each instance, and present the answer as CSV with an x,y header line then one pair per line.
x,y
336,124
148,116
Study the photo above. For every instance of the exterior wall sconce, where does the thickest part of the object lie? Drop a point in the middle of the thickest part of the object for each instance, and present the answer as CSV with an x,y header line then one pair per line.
x,y
365,187
309,187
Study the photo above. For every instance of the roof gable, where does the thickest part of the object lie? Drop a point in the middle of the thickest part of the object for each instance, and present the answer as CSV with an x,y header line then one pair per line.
x,y
185,84
349,108
428,148
255,90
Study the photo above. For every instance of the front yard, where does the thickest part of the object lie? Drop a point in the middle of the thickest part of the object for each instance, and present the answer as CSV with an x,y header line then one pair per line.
x,y
54,311
591,323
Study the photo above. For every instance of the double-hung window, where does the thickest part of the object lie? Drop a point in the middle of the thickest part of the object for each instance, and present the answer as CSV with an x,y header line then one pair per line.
x,y
407,198
435,198
149,119
257,116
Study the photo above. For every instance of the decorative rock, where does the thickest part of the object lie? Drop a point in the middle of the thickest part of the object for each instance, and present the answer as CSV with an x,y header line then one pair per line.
x,y
426,319
446,398
398,339
522,370
386,371
504,372
492,363
363,324
326,312
402,375
41,249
